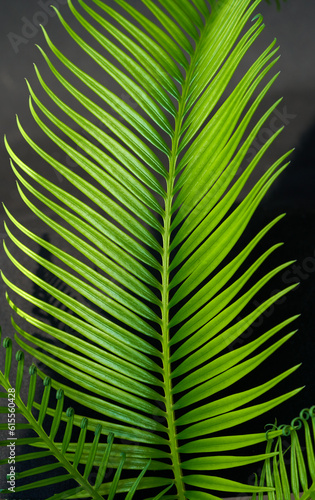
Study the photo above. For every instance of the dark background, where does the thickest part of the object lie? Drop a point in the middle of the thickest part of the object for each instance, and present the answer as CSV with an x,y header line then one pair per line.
x,y
293,193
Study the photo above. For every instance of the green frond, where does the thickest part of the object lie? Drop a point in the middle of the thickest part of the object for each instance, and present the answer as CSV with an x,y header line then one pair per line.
x,y
150,217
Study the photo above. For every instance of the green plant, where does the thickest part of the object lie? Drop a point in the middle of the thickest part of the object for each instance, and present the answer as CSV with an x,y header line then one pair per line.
x,y
150,222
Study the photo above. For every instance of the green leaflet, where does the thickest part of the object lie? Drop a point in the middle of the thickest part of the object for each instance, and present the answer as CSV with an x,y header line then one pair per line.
x,y
125,278
216,305
156,33
232,419
142,98
83,311
217,483
92,293
111,339
155,68
90,368
222,462
106,181
138,72
224,443
226,378
156,51
230,402
142,305
116,104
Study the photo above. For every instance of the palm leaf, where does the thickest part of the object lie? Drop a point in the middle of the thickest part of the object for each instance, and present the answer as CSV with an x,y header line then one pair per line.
x,y
151,218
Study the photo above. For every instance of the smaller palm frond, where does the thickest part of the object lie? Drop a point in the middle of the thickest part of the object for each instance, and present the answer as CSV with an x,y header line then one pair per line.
x,y
296,450
76,458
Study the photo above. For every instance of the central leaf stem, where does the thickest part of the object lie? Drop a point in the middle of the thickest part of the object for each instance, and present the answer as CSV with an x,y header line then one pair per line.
x,y
170,414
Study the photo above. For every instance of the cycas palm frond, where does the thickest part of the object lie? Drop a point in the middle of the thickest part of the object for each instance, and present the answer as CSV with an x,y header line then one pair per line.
x,y
154,211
